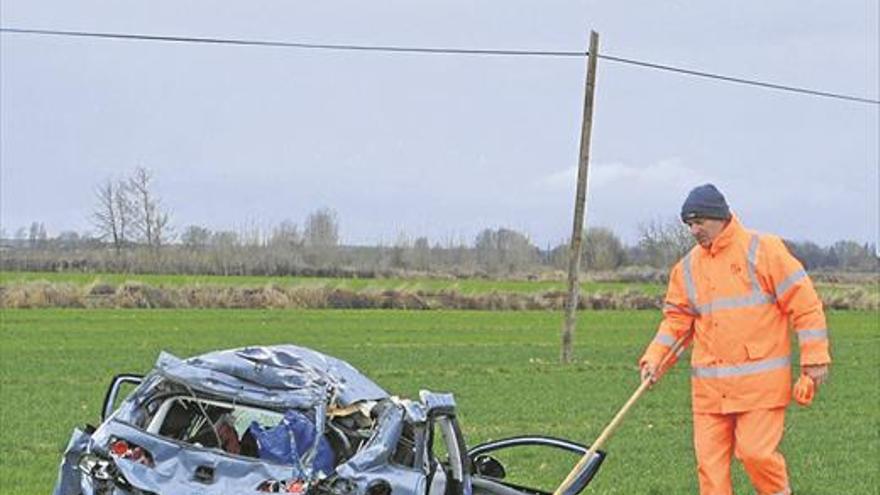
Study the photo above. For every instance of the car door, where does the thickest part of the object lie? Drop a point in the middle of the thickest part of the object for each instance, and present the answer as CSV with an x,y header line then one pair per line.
x,y
447,466
111,398
529,464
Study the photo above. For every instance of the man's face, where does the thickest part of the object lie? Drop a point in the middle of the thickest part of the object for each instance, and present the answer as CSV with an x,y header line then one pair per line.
x,y
705,230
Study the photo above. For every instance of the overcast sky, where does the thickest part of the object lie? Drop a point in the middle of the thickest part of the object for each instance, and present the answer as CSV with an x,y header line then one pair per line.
x,y
442,145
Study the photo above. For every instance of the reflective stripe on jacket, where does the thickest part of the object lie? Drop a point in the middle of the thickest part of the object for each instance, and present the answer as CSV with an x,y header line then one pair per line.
x,y
740,296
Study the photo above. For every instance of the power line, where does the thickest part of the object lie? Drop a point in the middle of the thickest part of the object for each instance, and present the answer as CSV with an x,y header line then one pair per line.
x,y
739,80
449,51
285,44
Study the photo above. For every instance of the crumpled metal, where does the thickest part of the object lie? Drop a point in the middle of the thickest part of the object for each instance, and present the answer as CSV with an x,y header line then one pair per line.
x,y
286,376
278,377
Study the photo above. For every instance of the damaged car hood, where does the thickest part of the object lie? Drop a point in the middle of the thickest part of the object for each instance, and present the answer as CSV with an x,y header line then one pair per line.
x,y
284,376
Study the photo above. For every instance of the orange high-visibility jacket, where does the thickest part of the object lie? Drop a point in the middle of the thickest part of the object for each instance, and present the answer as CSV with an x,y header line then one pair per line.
x,y
740,296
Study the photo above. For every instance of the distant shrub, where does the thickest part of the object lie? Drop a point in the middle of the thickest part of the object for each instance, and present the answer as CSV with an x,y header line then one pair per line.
x,y
854,298
140,295
43,294
100,289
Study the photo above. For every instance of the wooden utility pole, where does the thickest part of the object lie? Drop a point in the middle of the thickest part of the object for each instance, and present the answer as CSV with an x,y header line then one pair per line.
x,y
574,250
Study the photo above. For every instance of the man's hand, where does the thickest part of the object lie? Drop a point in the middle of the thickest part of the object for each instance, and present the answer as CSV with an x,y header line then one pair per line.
x,y
648,372
818,372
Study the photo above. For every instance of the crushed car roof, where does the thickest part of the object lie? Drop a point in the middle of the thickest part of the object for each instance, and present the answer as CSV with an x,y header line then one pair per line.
x,y
282,376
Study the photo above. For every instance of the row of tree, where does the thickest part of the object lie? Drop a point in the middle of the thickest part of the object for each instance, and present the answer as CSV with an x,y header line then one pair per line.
x,y
287,249
134,233
321,230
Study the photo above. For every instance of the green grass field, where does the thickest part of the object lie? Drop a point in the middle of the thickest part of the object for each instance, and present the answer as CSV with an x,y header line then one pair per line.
x,y
502,367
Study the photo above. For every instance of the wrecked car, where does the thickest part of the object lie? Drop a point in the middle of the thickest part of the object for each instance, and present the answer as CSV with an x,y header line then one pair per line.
x,y
283,419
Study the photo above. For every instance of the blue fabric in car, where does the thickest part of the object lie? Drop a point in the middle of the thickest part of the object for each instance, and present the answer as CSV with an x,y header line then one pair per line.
x,y
291,440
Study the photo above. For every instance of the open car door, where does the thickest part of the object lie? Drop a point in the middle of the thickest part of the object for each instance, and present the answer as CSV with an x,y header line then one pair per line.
x,y
503,466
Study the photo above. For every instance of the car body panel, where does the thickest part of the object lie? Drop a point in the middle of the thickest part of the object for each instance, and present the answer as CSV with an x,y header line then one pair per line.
x,y
170,433
285,376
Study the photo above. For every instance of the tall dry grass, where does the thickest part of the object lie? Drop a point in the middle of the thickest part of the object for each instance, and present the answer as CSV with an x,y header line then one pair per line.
x,y
131,294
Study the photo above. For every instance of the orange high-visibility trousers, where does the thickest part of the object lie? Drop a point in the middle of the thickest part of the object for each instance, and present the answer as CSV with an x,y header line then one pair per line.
x,y
753,436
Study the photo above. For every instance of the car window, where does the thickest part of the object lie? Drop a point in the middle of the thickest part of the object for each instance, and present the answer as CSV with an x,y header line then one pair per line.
x,y
242,417
446,448
211,424
538,467
439,449
125,389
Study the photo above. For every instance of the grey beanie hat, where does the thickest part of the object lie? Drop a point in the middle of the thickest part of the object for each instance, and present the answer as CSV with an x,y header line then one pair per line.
x,y
705,201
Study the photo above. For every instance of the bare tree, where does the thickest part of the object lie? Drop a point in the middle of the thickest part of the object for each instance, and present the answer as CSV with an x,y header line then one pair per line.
x,y
422,254
322,229
286,236
664,243
150,220
225,239
250,233
852,256
195,237
124,211
104,217
37,236
504,250
112,213
401,251
224,245
144,204
321,238
602,250
68,239
162,229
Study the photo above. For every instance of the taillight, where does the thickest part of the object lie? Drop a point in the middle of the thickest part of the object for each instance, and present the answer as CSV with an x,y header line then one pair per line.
x,y
127,450
293,485
119,448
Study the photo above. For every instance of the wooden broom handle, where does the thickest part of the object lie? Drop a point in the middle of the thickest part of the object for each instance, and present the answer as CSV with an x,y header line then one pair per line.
x,y
606,433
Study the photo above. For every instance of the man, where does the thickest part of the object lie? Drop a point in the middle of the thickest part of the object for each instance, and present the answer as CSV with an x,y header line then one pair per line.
x,y
736,294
